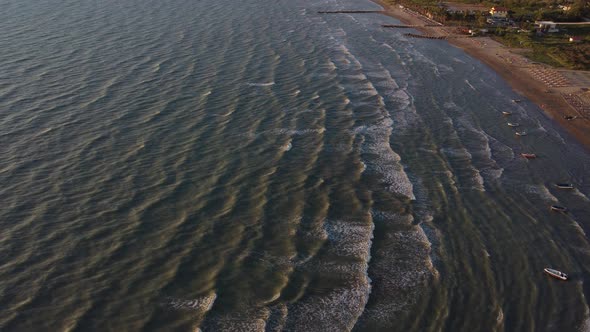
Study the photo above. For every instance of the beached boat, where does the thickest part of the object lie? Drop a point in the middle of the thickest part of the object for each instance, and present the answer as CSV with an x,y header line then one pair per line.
x,y
520,133
556,274
558,208
564,185
506,113
528,155
513,124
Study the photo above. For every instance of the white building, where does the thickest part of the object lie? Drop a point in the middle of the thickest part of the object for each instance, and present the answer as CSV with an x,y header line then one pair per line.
x,y
499,12
546,26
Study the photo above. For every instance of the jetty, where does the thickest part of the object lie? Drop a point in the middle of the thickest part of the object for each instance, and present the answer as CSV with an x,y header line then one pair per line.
x,y
400,26
351,12
413,35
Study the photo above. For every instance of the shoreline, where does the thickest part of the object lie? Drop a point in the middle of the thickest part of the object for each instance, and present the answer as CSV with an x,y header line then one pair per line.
x,y
514,68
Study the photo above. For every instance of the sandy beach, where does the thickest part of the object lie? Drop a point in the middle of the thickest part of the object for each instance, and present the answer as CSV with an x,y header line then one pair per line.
x,y
548,87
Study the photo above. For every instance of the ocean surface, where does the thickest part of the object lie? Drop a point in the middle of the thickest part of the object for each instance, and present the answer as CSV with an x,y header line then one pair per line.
x,y
256,166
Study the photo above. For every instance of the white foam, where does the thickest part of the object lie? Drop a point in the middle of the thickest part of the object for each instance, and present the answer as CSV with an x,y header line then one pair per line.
x,y
301,131
459,152
403,276
331,65
541,191
262,84
490,168
479,182
359,76
285,131
45,131
251,319
387,164
287,146
333,312
345,238
339,33
387,46
580,194
337,148
476,180
351,239
500,317
493,173
436,71
449,105
469,84
384,160
402,97
444,69
585,326
579,228
368,89
201,304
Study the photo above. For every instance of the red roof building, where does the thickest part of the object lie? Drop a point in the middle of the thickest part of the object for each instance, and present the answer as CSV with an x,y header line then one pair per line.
x,y
499,12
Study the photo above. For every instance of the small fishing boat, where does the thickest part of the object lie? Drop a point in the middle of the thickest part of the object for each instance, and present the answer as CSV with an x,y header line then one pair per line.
x,y
513,124
506,113
556,274
520,133
528,155
516,100
558,208
564,185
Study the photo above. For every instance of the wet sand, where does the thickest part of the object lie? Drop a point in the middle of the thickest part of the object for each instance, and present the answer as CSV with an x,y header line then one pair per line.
x,y
513,67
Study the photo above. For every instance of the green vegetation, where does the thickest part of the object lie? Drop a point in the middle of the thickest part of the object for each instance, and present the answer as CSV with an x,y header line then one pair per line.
x,y
551,48
554,49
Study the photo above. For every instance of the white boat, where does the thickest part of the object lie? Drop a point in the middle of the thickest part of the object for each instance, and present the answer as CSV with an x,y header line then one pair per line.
x,y
506,113
556,274
558,208
520,133
516,100
513,124
564,185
